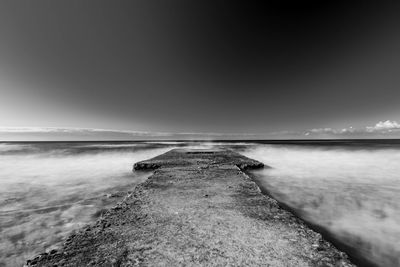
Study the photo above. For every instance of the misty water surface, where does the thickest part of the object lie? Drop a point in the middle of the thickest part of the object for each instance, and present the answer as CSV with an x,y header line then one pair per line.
x,y
48,190
354,192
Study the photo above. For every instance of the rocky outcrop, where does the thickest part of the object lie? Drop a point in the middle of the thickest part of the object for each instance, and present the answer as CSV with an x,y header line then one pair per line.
x,y
188,157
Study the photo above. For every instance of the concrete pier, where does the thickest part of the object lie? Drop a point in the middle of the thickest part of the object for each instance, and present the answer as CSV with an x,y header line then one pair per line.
x,y
199,208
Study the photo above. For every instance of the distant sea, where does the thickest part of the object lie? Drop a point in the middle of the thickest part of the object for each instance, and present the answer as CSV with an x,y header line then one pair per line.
x,y
347,189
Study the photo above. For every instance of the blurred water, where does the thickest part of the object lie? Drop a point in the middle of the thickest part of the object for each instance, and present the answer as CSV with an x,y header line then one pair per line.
x,y
353,192
49,189
351,189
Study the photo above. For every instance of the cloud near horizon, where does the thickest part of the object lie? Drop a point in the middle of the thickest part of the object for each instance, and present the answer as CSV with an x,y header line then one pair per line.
x,y
67,134
382,129
384,126
89,134
74,130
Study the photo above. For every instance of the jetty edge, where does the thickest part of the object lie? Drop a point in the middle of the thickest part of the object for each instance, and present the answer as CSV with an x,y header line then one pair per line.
x,y
197,209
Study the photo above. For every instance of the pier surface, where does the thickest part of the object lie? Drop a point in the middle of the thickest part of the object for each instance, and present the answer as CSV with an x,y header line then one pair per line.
x,y
198,209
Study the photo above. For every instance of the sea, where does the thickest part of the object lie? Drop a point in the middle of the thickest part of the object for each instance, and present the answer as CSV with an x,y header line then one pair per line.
x,y
348,190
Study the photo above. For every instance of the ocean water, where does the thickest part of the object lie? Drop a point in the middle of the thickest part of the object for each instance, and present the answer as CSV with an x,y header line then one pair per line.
x,y
48,190
349,190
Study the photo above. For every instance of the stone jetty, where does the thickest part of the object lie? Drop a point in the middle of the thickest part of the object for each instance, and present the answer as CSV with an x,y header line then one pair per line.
x,y
199,208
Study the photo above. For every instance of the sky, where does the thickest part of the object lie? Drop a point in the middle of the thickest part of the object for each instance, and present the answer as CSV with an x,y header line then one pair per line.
x,y
142,69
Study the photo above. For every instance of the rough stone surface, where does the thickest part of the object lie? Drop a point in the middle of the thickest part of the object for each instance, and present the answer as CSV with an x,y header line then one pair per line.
x,y
198,209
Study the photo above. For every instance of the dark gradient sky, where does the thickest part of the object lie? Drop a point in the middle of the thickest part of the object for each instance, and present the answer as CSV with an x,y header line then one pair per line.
x,y
204,66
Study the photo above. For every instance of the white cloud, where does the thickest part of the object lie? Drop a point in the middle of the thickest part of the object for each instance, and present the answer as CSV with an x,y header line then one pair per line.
x,y
387,129
76,130
26,129
384,126
323,130
95,131
88,133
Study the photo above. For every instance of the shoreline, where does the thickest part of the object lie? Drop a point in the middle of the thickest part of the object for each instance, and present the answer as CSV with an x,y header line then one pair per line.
x,y
198,207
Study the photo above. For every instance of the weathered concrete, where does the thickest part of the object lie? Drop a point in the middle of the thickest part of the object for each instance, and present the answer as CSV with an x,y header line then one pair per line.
x,y
198,209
